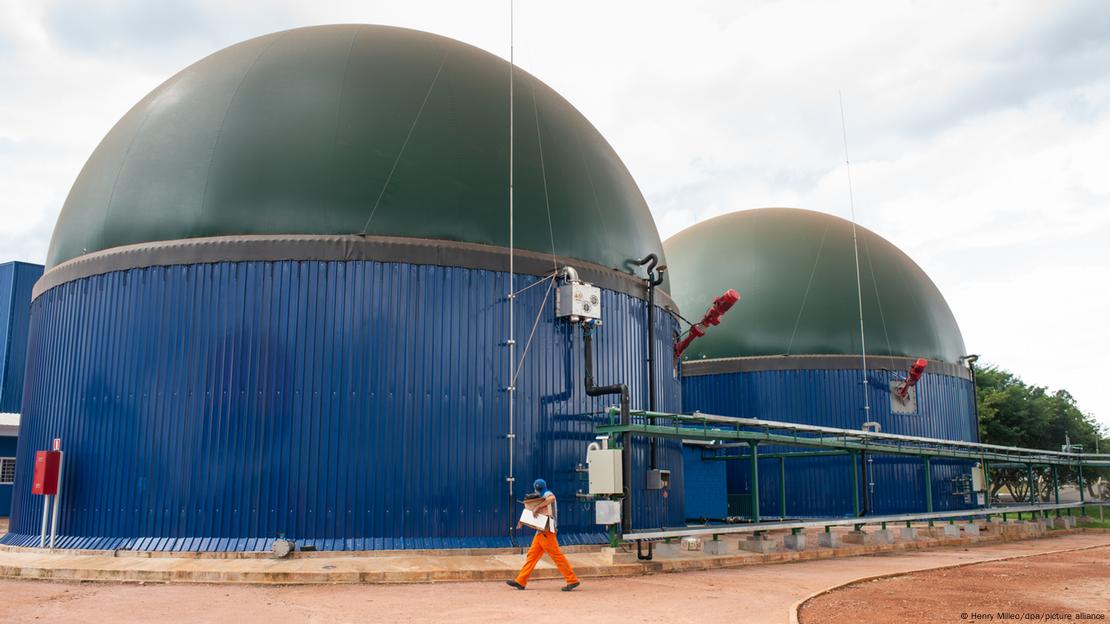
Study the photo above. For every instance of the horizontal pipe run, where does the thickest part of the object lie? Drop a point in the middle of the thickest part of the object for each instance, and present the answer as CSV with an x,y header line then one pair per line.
x,y
801,441
852,433
831,522
846,439
781,455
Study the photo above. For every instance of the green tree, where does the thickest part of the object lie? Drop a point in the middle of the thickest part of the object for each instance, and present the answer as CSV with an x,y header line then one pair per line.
x,y
1013,413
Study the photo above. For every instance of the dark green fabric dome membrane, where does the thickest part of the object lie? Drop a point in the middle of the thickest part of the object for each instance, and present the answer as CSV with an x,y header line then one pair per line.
x,y
769,255
299,132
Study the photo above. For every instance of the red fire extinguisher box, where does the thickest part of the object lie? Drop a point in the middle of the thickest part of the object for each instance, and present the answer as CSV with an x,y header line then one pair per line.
x,y
46,472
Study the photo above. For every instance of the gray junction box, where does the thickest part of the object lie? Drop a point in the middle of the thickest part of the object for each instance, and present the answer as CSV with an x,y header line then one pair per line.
x,y
605,471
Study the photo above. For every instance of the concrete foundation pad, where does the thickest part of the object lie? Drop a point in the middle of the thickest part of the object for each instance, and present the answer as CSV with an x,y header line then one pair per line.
x,y
908,533
971,530
952,530
794,541
691,543
859,537
759,545
715,547
884,536
496,564
665,549
828,540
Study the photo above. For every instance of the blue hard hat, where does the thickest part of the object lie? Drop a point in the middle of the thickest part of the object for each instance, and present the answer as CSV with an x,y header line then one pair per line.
x,y
540,485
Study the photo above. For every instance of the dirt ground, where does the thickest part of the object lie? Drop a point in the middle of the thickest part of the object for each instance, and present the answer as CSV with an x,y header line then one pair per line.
x,y
1050,587
757,594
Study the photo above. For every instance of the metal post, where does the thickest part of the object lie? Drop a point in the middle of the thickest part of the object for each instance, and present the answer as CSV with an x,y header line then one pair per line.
x,y
57,499
929,486
855,483
45,519
1056,488
1081,497
1032,487
782,487
987,484
755,481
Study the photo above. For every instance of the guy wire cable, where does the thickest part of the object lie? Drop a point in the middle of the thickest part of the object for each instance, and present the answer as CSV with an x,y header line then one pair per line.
x,y
855,248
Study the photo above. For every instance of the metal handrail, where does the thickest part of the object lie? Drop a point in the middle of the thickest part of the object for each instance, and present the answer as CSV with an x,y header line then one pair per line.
x,y
864,520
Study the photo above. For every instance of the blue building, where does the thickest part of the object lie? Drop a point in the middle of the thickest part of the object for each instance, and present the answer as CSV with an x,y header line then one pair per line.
x,y
16,281
277,305
791,350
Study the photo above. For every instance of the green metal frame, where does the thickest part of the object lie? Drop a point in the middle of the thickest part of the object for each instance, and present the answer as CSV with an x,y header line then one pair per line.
x,y
724,432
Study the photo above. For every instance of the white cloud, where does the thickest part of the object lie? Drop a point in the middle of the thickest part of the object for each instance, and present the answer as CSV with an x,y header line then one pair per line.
x,y
978,133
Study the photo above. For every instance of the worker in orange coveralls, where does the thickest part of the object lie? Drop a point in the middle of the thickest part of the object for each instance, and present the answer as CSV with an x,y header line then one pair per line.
x,y
545,542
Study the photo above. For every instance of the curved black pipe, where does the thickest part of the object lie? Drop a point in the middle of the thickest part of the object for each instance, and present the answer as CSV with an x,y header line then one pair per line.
x,y
626,437
653,279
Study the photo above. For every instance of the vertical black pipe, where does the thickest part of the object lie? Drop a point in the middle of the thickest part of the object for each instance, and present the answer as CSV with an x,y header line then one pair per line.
x,y
626,437
654,278
971,359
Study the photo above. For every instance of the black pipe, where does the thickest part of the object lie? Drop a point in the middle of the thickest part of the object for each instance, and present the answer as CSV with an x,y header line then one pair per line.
x,y
971,360
626,437
653,279
866,485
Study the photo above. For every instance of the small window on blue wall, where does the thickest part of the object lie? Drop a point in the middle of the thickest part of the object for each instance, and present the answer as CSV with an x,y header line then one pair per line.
x,y
7,470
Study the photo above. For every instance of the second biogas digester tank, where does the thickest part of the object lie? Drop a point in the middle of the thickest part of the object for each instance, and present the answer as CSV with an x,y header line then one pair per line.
x,y
276,305
791,351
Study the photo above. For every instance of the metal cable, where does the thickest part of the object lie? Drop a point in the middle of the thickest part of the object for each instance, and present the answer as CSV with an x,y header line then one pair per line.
x,y
550,282
855,247
543,172
809,285
401,152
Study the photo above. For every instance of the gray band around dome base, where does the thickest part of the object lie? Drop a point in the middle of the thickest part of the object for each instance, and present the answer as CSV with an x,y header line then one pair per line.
x,y
753,364
328,248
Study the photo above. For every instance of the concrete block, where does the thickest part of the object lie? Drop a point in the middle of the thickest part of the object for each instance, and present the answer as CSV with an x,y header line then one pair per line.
x,y
971,530
908,533
760,545
715,547
859,537
794,541
884,536
691,543
665,549
828,540
952,530
617,556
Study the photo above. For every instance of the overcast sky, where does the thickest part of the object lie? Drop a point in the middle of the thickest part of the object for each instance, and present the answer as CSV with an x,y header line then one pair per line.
x,y
979,131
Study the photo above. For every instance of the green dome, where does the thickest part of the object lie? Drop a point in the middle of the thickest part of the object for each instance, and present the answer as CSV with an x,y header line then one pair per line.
x,y
795,272
353,129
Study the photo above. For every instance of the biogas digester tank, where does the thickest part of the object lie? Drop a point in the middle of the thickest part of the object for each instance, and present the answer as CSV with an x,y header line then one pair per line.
x,y
275,305
790,351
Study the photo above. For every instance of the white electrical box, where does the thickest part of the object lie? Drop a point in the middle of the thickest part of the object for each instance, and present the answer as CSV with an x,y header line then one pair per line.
x,y
578,300
607,512
605,471
977,478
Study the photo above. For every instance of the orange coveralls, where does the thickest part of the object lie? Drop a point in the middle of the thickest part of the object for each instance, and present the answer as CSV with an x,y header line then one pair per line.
x,y
545,542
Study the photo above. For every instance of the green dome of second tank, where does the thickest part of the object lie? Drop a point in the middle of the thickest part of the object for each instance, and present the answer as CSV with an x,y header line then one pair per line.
x,y
350,129
795,271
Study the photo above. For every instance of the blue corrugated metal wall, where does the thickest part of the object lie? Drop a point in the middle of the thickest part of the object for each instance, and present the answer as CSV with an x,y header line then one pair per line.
x,y
16,281
352,405
7,449
822,486
706,486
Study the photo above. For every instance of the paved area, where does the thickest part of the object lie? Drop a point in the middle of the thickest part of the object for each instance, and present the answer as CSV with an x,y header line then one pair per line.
x,y
417,566
749,594
1065,587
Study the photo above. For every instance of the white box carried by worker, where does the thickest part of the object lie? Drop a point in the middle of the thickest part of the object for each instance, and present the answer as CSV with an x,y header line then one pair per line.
x,y
540,522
